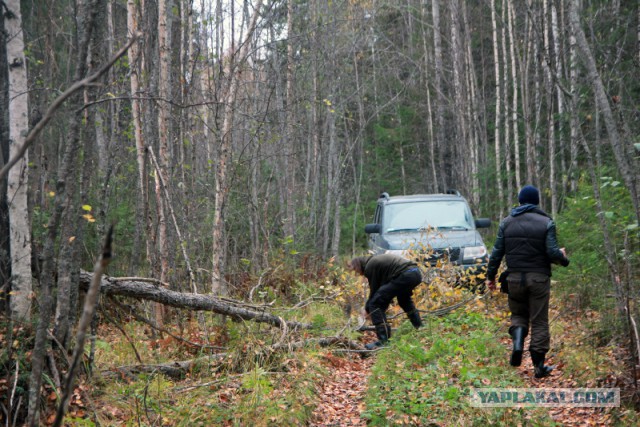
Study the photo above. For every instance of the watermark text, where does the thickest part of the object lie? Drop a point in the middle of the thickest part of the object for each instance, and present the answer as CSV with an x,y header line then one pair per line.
x,y
545,397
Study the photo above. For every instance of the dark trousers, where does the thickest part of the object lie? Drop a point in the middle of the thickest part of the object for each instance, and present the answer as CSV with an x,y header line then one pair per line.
x,y
400,287
529,304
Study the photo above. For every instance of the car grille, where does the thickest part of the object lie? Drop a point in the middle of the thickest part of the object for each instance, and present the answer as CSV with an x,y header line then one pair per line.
x,y
442,255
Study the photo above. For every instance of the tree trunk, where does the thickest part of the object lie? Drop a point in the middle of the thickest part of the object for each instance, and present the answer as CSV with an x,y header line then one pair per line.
x,y
431,141
514,99
290,158
475,114
505,91
551,127
62,202
557,62
164,132
17,179
440,100
136,288
5,262
135,68
218,286
498,110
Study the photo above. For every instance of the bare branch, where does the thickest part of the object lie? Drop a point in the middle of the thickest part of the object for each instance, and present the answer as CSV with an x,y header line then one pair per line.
x,y
90,303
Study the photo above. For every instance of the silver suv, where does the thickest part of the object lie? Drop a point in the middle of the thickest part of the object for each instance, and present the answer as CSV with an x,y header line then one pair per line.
x,y
440,227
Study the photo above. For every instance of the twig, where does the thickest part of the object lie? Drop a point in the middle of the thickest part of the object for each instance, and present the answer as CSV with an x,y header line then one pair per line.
x,y
260,281
6,414
15,414
88,312
15,386
54,369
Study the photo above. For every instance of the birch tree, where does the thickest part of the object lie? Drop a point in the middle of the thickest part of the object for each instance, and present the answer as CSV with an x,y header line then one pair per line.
x,y
498,109
17,179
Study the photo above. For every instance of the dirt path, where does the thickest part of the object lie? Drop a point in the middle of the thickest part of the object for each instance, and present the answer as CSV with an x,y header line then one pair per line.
x,y
341,399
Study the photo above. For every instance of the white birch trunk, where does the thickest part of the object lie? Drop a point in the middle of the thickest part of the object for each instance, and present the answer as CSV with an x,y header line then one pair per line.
x,y
551,129
514,101
505,91
431,135
440,101
164,111
498,110
17,183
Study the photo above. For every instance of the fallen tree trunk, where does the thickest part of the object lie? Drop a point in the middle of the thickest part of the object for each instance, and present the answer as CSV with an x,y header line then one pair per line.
x,y
197,302
176,370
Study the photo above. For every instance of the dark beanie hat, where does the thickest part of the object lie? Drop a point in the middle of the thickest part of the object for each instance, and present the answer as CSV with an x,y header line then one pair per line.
x,y
529,195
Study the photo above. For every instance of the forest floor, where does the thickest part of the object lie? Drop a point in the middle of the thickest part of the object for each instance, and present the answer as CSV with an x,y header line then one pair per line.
x,y
341,400
421,379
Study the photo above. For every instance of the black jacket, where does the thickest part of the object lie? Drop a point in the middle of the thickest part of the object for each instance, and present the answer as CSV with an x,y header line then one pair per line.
x,y
527,238
381,269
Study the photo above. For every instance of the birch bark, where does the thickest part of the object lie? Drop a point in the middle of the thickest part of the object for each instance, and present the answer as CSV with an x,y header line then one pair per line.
x,y
17,179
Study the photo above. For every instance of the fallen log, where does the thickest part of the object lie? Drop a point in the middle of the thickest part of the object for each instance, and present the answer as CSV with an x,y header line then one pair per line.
x,y
177,369
197,302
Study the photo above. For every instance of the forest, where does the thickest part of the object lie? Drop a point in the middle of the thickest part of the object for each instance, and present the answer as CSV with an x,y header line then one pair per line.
x,y
183,181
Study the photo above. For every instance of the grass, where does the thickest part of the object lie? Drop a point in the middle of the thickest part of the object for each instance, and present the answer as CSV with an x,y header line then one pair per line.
x,y
426,377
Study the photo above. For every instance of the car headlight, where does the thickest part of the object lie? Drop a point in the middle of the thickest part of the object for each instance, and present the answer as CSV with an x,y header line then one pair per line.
x,y
472,253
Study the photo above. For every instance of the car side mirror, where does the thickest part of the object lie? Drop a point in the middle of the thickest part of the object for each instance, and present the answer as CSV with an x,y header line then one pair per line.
x,y
483,223
372,228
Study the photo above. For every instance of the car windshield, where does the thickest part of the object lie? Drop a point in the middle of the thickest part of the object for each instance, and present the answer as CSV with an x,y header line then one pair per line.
x,y
440,214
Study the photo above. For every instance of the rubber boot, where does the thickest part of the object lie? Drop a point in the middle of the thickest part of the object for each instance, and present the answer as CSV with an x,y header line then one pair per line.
x,y
414,318
383,331
518,334
540,369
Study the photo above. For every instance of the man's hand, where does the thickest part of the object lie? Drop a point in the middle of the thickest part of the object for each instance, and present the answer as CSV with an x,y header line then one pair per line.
x,y
491,284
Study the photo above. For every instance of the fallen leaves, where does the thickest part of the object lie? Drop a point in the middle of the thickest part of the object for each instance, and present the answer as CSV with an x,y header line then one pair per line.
x,y
340,400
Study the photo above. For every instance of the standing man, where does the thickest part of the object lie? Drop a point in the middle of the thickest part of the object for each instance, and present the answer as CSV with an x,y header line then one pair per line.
x,y
389,276
527,239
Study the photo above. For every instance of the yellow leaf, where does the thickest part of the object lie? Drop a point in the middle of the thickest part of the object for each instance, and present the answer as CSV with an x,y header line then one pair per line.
x,y
72,238
51,193
86,208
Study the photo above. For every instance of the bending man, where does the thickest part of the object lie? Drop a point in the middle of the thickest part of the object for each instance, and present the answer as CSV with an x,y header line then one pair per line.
x,y
389,276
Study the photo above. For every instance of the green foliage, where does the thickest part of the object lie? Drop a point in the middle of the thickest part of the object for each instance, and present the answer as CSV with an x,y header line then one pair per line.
x,y
580,231
426,376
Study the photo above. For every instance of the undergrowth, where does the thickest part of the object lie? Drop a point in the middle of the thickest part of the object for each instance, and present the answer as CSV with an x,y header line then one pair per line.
x,y
426,377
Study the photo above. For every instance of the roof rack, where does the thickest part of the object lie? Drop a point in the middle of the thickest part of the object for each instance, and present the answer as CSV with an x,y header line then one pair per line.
x,y
453,191
384,195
